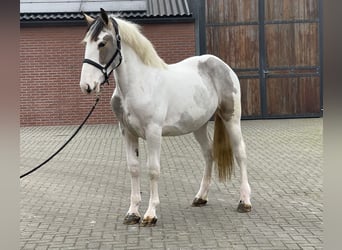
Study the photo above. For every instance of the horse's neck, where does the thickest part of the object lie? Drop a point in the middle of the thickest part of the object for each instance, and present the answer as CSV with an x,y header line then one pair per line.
x,y
130,71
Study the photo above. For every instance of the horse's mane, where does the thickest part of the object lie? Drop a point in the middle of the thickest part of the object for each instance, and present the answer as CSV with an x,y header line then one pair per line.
x,y
131,34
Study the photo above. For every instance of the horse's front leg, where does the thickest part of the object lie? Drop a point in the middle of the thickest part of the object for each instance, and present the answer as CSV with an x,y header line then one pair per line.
x,y
153,140
131,143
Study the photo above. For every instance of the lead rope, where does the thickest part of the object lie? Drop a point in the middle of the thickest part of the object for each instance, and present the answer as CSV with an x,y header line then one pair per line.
x,y
60,149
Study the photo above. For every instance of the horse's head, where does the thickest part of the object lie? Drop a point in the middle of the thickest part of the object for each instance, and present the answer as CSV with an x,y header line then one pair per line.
x,y
102,52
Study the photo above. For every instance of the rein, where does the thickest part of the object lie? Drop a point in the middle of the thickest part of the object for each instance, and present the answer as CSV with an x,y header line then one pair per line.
x,y
60,149
116,54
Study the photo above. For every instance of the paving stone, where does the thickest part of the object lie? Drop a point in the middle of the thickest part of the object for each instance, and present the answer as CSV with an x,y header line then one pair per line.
x,y
78,199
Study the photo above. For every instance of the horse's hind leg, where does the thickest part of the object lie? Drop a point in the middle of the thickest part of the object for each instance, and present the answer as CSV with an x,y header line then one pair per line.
x,y
233,127
131,143
202,136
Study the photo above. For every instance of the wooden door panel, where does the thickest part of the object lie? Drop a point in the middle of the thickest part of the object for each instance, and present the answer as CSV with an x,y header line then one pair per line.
x,y
238,46
294,44
231,11
293,96
250,97
288,10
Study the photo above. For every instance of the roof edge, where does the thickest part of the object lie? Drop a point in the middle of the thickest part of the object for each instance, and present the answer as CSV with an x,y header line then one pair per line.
x,y
76,19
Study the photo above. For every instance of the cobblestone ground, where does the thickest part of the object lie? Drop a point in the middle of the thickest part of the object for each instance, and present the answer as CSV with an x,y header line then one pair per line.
x,y
78,200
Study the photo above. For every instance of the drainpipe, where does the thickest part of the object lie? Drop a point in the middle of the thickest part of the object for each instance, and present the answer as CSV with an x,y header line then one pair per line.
x,y
198,10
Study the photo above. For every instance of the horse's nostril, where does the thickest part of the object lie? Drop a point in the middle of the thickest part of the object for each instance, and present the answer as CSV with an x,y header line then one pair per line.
x,y
88,89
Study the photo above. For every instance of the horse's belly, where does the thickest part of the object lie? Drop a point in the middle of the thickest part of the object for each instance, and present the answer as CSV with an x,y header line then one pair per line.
x,y
187,122
189,114
176,129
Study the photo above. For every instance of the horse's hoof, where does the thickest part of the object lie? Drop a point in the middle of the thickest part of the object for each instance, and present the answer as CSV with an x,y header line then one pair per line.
x,y
243,207
149,222
131,219
199,202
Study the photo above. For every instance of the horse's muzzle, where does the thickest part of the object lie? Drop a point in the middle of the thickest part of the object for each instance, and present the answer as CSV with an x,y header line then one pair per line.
x,y
88,89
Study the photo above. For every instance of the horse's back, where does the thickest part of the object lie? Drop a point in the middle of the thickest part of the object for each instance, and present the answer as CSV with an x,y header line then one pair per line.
x,y
214,70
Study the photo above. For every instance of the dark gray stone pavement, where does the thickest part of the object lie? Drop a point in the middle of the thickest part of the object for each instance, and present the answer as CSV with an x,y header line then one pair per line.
x,y
78,200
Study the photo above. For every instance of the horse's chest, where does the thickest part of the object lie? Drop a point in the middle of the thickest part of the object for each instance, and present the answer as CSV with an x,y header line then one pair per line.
x,y
127,116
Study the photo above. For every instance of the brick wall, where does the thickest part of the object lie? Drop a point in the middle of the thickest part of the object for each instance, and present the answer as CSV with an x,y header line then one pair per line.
x,y
50,65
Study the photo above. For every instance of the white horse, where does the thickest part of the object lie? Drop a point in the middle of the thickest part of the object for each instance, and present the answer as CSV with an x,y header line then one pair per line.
x,y
153,99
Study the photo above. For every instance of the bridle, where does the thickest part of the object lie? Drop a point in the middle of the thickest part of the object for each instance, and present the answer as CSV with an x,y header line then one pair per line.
x,y
117,53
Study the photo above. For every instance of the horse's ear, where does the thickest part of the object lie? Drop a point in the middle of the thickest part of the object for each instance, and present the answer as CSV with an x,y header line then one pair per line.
x,y
89,19
104,16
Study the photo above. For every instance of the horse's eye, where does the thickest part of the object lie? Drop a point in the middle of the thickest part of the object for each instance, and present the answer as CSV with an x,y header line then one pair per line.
x,y
101,44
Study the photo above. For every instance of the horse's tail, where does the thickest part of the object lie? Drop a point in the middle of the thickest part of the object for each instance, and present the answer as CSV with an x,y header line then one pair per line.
x,y
222,151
